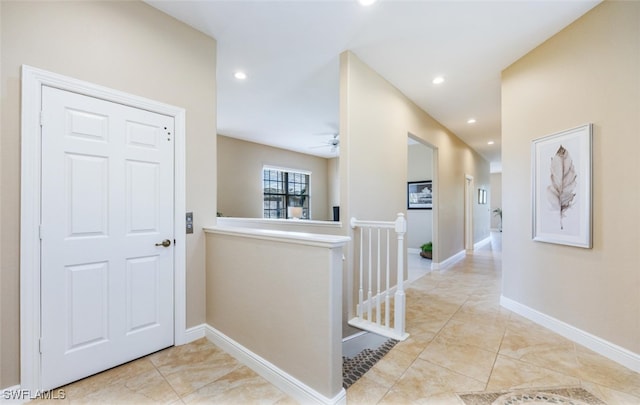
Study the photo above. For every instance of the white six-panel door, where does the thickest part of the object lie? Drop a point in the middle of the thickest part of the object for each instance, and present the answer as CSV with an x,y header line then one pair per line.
x,y
107,206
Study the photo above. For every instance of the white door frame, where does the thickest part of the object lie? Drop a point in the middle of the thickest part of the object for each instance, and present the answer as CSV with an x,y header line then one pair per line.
x,y
468,213
32,81
436,192
435,187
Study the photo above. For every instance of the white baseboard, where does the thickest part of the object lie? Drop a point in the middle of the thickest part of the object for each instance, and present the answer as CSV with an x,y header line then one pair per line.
x,y
287,383
609,350
482,243
413,251
194,333
448,262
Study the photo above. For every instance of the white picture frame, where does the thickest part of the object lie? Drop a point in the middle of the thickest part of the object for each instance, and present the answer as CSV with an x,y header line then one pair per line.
x,y
562,187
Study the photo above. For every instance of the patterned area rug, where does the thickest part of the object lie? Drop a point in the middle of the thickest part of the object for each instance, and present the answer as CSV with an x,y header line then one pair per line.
x,y
565,396
355,367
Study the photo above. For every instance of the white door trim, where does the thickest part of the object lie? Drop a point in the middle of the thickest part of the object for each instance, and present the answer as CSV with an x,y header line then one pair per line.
x,y
468,212
32,81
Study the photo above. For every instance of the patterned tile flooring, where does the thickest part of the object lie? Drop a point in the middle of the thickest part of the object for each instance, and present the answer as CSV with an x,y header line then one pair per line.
x,y
461,340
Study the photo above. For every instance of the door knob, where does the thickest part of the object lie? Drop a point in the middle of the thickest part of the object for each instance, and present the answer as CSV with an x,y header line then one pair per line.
x,y
165,243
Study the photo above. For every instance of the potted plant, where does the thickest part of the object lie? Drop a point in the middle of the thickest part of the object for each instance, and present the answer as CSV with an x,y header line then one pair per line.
x,y
426,250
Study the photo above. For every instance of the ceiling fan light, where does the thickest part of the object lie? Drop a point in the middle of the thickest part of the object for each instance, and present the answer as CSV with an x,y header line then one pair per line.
x,y
438,80
240,75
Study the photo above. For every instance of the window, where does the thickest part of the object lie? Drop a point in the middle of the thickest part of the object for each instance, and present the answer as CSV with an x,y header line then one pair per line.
x,y
284,191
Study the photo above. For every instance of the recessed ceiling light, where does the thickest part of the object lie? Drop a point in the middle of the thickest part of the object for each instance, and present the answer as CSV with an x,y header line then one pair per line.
x,y
366,2
240,75
471,121
490,143
438,80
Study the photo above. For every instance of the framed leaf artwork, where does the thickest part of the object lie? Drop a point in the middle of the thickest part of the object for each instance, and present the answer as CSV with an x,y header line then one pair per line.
x,y
562,177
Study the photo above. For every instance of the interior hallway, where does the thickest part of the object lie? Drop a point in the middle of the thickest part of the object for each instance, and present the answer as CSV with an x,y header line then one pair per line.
x,y
461,340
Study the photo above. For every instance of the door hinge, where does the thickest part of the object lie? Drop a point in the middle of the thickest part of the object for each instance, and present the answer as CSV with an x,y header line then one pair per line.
x,y
41,118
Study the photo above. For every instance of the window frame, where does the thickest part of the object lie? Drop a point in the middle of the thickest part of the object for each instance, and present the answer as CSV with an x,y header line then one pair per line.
x,y
286,195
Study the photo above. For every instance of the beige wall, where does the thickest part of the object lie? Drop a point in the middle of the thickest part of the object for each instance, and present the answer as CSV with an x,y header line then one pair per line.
x,y
495,198
375,120
128,46
589,72
419,222
280,300
240,166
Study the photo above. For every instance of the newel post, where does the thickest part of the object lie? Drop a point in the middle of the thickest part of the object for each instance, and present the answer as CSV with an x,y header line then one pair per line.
x,y
399,314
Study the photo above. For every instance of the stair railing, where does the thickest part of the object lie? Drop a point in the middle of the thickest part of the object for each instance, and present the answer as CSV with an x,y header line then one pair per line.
x,y
375,247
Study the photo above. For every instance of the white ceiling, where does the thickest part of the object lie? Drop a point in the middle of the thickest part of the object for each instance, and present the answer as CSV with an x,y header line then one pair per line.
x,y
290,53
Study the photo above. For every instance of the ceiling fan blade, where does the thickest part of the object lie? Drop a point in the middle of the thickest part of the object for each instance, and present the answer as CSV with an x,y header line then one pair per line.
x,y
333,134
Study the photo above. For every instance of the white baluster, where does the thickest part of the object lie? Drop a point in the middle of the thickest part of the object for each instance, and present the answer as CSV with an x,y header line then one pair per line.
x,y
399,302
361,291
387,300
378,294
369,295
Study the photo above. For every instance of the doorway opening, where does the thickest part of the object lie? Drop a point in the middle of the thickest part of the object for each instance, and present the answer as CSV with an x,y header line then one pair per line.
x,y
422,206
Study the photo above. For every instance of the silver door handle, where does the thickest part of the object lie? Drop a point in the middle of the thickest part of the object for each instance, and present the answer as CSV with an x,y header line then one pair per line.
x,y
165,243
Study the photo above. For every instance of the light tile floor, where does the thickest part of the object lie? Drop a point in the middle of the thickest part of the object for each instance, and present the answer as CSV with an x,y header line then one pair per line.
x,y
461,340
197,373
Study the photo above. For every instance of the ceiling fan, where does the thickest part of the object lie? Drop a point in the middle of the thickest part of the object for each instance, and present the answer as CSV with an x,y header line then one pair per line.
x,y
332,143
